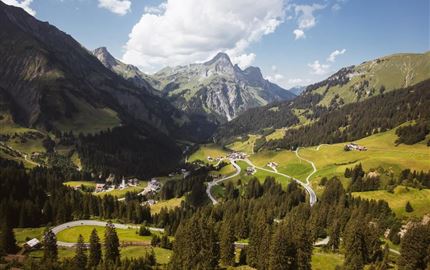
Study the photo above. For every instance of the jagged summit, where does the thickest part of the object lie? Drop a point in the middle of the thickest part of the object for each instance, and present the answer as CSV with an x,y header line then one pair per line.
x,y
105,57
220,58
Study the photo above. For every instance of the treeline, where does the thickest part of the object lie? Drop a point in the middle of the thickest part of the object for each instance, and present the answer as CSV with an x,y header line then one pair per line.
x,y
128,151
360,181
411,134
281,230
38,197
357,120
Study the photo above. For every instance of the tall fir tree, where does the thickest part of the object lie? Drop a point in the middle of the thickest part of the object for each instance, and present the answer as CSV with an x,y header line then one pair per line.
x,y
414,248
227,244
95,256
283,250
7,239
111,242
50,250
80,258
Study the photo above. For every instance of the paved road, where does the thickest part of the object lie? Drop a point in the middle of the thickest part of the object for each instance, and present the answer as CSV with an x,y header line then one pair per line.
x,y
77,223
216,182
306,186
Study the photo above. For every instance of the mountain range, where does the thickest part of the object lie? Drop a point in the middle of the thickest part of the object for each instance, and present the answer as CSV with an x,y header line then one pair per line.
x,y
216,88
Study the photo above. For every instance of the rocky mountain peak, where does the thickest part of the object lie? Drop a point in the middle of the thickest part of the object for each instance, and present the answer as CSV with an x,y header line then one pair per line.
x,y
105,57
253,73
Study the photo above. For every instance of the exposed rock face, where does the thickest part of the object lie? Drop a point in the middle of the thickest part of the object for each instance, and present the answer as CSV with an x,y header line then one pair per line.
x,y
218,88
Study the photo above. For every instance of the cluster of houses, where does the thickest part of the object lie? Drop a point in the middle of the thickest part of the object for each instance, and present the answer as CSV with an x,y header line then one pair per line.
x,y
109,185
250,170
153,186
237,155
354,146
211,159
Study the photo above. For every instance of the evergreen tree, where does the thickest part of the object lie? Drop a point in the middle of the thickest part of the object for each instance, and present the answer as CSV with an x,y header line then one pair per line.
x,y
80,256
7,239
283,251
408,207
227,244
414,248
95,249
111,243
50,250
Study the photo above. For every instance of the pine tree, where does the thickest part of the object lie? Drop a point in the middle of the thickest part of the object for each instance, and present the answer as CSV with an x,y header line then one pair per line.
x,y
283,251
414,247
95,249
80,258
355,246
50,251
7,239
227,244
408,207
111,243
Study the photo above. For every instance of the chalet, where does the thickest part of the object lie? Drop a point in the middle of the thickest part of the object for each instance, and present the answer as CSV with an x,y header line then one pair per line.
x,y
356,147
272,164
32,244
100,187
154,185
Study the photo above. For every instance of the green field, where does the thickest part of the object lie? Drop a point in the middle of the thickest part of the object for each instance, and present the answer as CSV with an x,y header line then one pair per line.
x,y
21,234
71,235
325,260
121,192
162,255
169,204
80,183
332,160
419,199
244,146
208,150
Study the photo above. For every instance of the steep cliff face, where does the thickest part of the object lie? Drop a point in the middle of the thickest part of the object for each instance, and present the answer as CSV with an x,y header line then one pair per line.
x,y
218,88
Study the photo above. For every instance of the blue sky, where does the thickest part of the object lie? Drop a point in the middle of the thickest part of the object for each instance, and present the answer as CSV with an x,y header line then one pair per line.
x,y
291,41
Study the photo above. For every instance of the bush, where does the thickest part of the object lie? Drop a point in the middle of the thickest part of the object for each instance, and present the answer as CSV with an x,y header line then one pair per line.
x,y
408,207
143,231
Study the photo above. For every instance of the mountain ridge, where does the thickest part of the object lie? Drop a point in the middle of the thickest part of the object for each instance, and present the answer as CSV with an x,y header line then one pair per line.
x,y
217,87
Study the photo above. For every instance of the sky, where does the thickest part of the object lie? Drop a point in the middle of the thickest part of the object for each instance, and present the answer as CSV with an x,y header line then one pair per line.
x,y
293,42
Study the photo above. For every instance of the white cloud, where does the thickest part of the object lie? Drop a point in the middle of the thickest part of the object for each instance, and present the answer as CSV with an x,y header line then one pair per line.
x,y
156,9
193,30
244,60
299,34
336,53
318,69
305,18
24,4
120,7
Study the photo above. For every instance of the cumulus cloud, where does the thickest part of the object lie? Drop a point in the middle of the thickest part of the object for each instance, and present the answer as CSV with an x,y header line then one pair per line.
x,y
305,18
185,31
120,7
319,69
299,34
336,53
24,4
156,9
244,60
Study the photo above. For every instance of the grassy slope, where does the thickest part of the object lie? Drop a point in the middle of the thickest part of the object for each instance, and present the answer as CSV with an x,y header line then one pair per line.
x,y
169,204
121,192
325,260
393,72
419,199
245,146
162,255
80,183
71,234
206,150
332,160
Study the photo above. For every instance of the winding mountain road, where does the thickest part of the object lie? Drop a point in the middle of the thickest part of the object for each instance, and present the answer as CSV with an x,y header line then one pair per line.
x,y
215,182
306,186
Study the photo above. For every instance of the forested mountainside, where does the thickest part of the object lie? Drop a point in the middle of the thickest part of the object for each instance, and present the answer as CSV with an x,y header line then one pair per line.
x,y
361,119
49,81
217,88
348,85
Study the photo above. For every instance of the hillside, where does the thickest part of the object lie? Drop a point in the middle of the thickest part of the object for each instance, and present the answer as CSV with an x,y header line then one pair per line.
x,y
347,86
218,88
